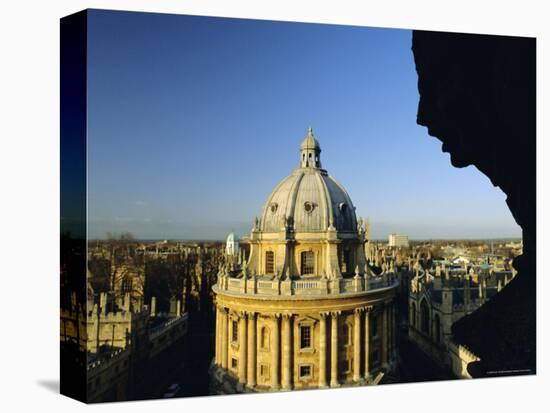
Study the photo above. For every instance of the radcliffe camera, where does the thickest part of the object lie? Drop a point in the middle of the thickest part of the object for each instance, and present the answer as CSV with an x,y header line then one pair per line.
x,y
258,206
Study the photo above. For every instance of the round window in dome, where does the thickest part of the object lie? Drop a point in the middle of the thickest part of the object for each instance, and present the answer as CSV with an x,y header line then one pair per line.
x,y
308,206
274,207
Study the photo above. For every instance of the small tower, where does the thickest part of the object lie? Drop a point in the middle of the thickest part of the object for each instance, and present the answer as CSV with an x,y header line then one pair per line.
x,y
310,152
232,245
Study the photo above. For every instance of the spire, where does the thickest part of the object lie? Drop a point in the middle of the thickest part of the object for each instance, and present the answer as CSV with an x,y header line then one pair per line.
x,y
310,151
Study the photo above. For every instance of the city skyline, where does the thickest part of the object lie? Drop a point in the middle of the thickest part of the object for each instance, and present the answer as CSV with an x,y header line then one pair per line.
x,y
191,123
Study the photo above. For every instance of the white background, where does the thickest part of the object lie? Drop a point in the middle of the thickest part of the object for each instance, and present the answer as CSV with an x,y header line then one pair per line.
x,y
29,202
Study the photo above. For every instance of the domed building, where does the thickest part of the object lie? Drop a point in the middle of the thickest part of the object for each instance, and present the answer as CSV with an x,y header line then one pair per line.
x,y
304,309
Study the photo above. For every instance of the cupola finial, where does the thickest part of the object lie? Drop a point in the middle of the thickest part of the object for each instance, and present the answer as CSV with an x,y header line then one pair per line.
x,y
310,151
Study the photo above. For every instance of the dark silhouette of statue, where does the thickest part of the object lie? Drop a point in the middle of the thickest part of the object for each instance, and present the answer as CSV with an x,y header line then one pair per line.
x,y
477,95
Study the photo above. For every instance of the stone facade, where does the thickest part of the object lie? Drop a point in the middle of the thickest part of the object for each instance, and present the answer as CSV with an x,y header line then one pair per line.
x,y
438,298
112,328
107,376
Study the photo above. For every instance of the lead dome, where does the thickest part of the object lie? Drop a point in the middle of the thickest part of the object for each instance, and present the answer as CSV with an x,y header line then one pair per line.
x,y
309,199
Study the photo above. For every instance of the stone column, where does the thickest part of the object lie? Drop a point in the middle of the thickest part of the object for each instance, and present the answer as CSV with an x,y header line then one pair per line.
x,y
251,362
334,350
217,358
393,331
357,345
275,354
225,326
323,350
286,356
384,335
242,348
367,343
395,328
390,331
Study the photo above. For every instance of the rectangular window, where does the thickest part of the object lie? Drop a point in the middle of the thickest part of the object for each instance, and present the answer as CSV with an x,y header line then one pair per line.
x,y
234,363
305,371
305,337
269,262
234,331
308,262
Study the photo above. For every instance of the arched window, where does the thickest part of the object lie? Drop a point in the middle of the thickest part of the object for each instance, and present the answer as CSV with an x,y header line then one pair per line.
x,y
307,262
264,338
126,285
424,317
413,315
269,262
347,260
347,334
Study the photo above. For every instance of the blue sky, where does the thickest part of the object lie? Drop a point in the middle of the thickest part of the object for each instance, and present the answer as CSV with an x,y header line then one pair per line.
x,y
194,120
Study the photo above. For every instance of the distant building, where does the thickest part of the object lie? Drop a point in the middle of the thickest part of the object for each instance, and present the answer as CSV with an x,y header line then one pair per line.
x,y
112,328
232,245
396,240
461,260
440,297
107,375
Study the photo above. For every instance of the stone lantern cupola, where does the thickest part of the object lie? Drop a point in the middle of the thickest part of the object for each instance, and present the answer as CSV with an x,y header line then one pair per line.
x,y
310,152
